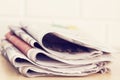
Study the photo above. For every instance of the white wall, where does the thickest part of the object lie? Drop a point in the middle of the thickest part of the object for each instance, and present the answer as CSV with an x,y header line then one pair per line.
x,y
100,18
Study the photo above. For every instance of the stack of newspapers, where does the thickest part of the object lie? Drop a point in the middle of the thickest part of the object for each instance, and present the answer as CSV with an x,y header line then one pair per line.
x,y
53,51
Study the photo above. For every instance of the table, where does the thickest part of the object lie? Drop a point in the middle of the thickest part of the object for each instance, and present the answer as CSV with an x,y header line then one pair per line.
x,y
8,72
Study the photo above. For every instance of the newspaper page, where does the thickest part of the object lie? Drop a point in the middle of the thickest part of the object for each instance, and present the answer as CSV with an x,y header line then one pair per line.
x,y
62,43
27,50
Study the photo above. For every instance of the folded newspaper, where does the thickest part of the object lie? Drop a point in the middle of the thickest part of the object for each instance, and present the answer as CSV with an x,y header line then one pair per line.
x,y
51,51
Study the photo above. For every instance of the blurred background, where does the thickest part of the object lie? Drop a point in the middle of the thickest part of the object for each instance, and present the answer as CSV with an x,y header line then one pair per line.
x,y
98,18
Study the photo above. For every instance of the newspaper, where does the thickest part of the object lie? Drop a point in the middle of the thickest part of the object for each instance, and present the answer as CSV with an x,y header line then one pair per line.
x,y
38,55
58,44
55,40
28,68
52,51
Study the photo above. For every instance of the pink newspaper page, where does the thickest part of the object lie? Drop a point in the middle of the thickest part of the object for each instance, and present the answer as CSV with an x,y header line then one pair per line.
x,y
20,44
